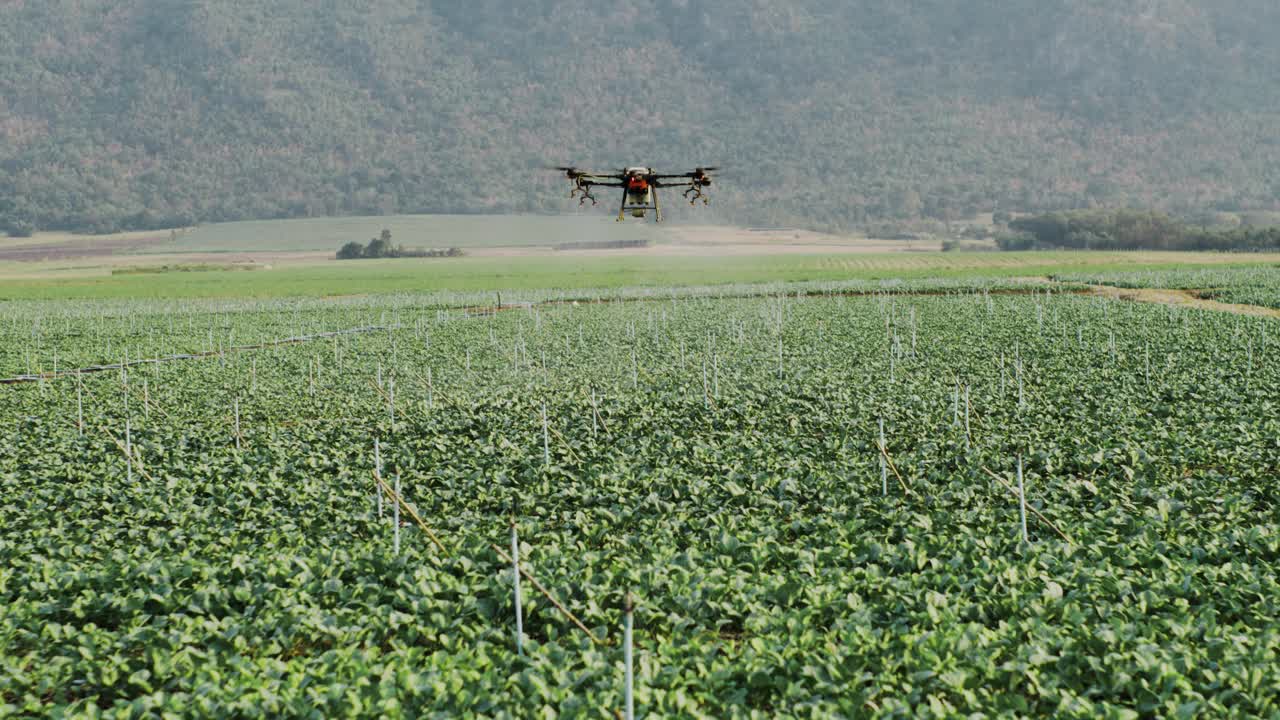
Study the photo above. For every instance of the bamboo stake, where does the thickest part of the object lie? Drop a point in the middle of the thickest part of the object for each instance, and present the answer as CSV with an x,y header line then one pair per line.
x,y
547,594
122,448
400,502
568,448
885,454
1030,508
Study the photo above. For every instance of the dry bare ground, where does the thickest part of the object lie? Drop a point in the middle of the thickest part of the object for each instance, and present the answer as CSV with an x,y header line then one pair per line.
x,y
1180,298
715,241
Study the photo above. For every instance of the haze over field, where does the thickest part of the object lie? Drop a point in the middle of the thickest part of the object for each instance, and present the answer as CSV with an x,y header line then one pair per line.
x,y
830,113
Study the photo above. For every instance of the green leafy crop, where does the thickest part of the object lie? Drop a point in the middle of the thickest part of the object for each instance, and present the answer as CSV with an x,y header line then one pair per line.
x,y
211,545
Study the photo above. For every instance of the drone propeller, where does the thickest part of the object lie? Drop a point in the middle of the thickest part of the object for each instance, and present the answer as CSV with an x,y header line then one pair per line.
x,y
570,172
699,173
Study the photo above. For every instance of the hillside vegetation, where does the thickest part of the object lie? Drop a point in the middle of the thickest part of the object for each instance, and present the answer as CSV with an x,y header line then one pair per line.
x,y
1130,230
829,113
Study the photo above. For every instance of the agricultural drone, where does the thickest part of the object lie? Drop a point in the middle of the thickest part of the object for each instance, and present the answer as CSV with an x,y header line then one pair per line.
x,y
639,187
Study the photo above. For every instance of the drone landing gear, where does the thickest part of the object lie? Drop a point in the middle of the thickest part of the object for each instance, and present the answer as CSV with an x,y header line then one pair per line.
x,y
584,191
696,191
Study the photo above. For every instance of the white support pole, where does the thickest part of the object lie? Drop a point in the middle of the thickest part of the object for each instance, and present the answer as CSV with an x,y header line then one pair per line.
x,y
377,471
396,518
884,468
715,375
546,442
79,405
706,392
966,419
1022,501
128,450
627,660
1022,401
391,398
779,356
515,575
594,412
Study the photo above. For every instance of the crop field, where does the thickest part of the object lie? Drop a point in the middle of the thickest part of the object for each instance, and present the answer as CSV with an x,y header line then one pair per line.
x,y
813,502
657,267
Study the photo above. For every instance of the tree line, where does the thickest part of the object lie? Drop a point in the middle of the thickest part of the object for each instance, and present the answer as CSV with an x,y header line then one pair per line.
x,y
382,247
1129,230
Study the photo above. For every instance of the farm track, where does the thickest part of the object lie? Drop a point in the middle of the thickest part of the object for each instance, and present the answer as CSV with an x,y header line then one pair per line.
x,y
1179,298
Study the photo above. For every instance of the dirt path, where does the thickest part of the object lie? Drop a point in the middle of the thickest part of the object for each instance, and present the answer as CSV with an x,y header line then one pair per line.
x,y
1180,298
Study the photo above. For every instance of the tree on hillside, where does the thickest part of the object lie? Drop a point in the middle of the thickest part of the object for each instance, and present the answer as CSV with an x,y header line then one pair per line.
x,y
849,112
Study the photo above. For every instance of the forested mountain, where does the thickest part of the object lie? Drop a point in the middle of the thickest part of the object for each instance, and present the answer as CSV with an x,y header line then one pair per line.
x,y
829,113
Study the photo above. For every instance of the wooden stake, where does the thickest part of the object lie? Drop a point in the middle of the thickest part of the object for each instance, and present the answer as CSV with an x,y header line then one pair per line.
x,y
1032,510
399,501
547,594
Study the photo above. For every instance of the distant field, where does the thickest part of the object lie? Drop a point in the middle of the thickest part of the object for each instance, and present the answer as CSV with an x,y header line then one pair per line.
x,y
58,238
429,231
598,270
